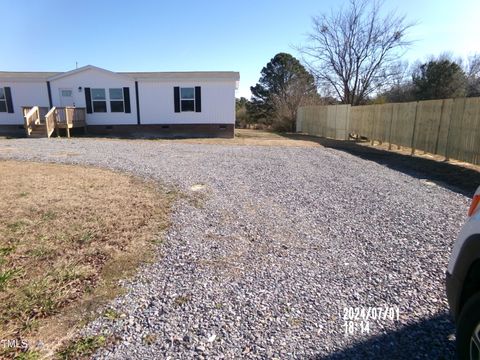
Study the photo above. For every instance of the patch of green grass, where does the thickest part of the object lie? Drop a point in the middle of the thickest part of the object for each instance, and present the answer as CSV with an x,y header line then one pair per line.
x,y
4,252
7,250
86,238
17,226
111,314
38,298
49,215
28,355
6,277
23,194
67,274
42,252
82,347
35,300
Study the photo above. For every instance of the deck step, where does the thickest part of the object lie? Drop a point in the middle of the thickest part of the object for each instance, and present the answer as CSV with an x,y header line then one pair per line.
x,y
38,131
37,135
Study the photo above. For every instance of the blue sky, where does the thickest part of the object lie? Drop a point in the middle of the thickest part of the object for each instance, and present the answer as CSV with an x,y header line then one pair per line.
x,y
200,35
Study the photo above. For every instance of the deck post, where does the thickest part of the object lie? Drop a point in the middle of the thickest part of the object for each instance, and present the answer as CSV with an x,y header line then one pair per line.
x,y
57,129
66,122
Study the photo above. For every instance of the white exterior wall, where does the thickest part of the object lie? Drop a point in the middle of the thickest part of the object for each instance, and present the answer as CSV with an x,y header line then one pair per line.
x,y
157,102
156,97
94,78
23,94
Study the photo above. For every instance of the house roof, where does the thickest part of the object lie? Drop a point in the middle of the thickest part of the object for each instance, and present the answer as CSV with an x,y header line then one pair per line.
x,y
26,75
231,75
38,76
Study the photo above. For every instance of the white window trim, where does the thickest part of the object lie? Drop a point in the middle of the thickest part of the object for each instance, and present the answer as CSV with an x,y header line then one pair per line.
x,y
4,100
122,99
193,99
93,100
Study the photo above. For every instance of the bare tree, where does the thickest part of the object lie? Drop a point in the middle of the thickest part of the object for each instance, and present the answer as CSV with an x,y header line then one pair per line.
x,y
354,51
286,103
472,69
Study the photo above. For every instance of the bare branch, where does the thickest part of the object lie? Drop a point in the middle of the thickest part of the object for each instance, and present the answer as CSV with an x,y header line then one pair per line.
x,y
354,50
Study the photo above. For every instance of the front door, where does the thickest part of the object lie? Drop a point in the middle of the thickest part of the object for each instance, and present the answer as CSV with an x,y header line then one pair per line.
x,y
66,97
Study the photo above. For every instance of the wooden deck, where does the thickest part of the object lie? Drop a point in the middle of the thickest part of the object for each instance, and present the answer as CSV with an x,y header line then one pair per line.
x,y
41,122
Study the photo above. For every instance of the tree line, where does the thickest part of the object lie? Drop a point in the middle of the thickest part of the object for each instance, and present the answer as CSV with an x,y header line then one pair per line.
x,y
353,56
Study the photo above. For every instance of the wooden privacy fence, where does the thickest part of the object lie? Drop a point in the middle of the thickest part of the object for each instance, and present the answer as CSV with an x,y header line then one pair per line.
x,y
449,127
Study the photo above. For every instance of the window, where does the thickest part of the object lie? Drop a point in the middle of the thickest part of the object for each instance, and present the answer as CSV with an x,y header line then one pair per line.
x,y
66,93
187,99
99,100
116,100
3,100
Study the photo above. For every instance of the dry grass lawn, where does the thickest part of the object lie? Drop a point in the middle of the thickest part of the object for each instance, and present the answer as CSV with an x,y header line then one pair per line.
x,y
242,137
67,235
253,137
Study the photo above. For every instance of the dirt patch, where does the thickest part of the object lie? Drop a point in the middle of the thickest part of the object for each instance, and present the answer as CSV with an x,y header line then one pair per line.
x,y
67,235
64,154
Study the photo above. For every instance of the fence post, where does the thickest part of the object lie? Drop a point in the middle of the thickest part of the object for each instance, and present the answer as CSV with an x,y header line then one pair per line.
x,y
390,131
347,123
447,146
335,123
448,131
372,142
412,145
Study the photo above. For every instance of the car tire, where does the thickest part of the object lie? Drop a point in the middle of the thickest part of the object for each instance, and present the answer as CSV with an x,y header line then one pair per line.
x,y
468,330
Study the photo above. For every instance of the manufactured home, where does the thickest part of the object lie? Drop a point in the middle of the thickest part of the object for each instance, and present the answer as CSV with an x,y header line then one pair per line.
x,y
183,104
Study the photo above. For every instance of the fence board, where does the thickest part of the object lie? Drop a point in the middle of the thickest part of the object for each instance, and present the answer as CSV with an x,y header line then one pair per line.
x,y
449,127
428,121
441,146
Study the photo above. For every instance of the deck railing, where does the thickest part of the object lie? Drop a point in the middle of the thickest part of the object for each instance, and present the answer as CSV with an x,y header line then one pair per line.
x,y
70,117
54,119
31,116
51,121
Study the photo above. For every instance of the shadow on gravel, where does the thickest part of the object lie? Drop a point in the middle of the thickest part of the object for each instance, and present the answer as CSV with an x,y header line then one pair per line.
x,y
456,178
427,339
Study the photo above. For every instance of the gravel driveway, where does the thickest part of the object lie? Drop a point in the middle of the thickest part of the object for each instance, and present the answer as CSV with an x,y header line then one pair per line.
x,y
279,242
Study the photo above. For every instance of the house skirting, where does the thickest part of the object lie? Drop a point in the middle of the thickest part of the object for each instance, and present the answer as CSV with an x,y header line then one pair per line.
x,y
165,130
12,130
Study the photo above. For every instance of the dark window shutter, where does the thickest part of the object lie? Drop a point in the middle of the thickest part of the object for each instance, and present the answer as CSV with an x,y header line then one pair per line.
x,y
176,98
8,97
88,100
198,99
126,98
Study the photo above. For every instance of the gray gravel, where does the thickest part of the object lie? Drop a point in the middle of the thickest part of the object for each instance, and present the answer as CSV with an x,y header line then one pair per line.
x,y
279,242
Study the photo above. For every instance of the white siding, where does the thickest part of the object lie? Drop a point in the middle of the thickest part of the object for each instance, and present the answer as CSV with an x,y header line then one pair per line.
x,y
155,95
94,78
157,102
24,94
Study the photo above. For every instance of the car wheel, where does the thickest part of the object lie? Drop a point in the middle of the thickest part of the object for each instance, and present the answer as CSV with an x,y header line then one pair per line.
x,y
468,330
